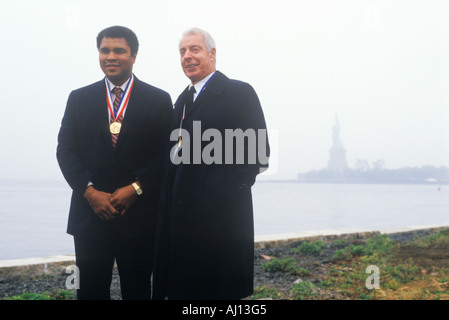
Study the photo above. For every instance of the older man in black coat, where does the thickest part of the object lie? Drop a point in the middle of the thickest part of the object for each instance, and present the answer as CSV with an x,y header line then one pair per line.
x,y
217,147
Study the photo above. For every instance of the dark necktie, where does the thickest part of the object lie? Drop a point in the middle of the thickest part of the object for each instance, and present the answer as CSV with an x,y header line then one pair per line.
x,y
118,96
189,97
188,101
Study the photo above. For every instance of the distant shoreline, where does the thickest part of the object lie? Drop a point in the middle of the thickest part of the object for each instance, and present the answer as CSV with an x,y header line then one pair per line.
x,y
62,182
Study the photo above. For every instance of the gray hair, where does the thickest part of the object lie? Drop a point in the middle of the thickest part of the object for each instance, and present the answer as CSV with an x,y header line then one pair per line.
x,y
210,43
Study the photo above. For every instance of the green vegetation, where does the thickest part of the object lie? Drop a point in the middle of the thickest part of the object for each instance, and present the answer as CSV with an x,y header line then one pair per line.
x,y
303,290
440,238
287,265
265,292
306,247
380,246
338,270
57,295
417,270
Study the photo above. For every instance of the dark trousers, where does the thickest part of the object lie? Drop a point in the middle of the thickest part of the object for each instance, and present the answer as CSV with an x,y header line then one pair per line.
x,y
95,261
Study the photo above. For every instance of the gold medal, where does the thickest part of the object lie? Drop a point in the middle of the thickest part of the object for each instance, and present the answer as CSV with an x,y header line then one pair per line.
x,y
115,127
116,112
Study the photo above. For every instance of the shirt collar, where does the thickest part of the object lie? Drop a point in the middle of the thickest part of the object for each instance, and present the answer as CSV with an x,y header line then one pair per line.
x,y
123,86
200,84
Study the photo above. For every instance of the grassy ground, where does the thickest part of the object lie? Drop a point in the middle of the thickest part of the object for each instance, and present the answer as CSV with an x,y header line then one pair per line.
x,y
374,268
380,267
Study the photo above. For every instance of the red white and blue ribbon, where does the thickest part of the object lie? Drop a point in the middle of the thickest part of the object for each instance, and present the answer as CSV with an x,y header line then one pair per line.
x,y
123,101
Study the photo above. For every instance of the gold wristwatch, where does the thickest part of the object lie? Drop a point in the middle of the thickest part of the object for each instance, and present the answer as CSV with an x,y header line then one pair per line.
x,y
137,188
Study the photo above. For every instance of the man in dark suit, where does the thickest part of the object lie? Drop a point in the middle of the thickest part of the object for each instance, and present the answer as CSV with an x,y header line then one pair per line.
x,y
205,244
110,148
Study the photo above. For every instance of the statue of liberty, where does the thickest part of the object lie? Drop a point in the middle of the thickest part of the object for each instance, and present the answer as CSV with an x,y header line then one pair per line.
x,y
336,134
337,153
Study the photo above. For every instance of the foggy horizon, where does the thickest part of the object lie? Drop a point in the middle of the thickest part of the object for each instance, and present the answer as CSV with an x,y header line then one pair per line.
x,y
382,67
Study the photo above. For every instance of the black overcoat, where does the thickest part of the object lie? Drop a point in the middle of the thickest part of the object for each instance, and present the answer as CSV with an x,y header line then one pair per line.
x,y
206,240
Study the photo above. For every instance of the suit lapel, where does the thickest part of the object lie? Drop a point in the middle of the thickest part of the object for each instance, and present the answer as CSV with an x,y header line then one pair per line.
x,y
215,87
99,112
179,108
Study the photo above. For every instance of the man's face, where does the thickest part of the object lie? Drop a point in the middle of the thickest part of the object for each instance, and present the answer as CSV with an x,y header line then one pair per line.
x,y
196,61
116,59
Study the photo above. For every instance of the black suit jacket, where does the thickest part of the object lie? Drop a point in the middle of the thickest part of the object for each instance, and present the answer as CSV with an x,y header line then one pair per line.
x,y
85,153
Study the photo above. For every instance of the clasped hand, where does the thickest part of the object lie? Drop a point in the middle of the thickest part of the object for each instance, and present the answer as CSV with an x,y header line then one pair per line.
x,y
110,205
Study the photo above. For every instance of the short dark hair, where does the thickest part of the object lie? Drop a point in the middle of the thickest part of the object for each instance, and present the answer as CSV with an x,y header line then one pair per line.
x,y
120,32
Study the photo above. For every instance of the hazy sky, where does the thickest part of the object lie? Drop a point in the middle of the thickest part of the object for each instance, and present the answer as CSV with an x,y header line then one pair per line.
x,y
382,66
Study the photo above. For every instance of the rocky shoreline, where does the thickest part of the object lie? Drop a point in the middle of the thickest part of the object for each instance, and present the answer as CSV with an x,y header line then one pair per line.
x,y
36,279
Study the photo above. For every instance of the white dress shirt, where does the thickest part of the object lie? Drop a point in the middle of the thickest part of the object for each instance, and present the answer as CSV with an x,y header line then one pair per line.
x,y
112,86
200,84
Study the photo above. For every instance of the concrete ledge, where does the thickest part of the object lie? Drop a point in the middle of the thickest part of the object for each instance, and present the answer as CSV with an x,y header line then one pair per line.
x,y
15,270
34,261
430,227
333,234
326,234
45,265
